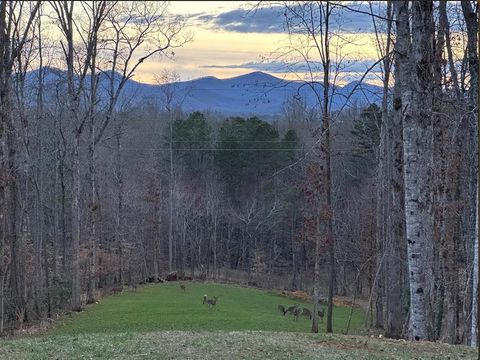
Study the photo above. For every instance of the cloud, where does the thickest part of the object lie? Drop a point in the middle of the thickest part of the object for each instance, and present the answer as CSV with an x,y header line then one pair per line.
x,y
263,20
271,19
350,66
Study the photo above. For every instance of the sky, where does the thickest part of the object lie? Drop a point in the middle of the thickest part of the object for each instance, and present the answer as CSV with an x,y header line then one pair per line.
x,y
229,39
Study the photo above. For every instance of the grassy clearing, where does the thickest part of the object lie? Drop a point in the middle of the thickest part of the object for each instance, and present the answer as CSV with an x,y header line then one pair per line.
x,y
167,307
224,345
163,322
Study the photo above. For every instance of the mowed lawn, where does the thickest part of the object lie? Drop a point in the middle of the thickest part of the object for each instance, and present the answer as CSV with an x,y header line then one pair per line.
x,y
231,345
167,307
161,321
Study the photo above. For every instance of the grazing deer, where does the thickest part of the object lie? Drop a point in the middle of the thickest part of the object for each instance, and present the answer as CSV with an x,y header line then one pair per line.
x,y
182,287
297,312
321,313
307,313
291,309
117,290
212,302
281,308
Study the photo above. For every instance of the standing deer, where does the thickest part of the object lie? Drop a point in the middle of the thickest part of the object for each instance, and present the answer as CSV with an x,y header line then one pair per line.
x,y
321,313
307,313
297,312
212,302
117,290
291,309
182,287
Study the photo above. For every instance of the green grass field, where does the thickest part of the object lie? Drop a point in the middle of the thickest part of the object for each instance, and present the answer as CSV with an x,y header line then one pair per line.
x,y
162,322
219,345
167,307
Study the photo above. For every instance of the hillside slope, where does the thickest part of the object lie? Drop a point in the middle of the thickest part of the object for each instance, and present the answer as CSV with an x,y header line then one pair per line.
x,y
256,93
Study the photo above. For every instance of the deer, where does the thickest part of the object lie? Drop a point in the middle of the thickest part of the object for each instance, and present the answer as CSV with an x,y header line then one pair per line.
x,y
297,312
291,309
212,302
117,290
321,313
307,313
281,308
182,287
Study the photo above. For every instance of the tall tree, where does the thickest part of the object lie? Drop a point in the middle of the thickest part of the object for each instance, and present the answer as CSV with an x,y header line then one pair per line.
x,y
313,22
470,14
416,105
14,36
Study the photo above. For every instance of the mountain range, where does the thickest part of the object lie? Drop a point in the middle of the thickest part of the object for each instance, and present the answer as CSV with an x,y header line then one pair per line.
x,y
256,93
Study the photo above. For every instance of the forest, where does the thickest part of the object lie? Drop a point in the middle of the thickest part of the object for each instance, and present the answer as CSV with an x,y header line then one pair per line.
x,y
373,201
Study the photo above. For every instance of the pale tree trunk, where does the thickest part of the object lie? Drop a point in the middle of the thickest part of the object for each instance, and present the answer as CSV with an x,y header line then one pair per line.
x,y
417,135
471,22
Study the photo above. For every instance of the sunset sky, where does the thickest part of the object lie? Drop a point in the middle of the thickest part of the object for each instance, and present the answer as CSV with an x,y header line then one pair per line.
x,y
230,39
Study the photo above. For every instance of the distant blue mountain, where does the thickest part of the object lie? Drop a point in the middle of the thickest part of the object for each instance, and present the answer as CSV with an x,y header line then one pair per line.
x,y
254,93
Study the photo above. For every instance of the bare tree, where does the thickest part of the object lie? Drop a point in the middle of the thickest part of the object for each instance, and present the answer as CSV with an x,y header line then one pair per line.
x,y
416,104
470,13
11,28
132,26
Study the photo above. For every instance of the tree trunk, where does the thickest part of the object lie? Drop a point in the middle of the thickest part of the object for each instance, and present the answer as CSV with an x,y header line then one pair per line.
x,y
76,227
417,135
119,213
214,236
471,22
170,210
316,279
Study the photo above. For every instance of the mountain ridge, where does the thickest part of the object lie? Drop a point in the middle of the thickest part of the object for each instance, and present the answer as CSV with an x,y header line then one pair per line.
x,y
254,93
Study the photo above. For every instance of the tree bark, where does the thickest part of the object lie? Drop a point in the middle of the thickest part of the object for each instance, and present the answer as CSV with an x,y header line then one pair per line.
x,y
417,135
471,21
